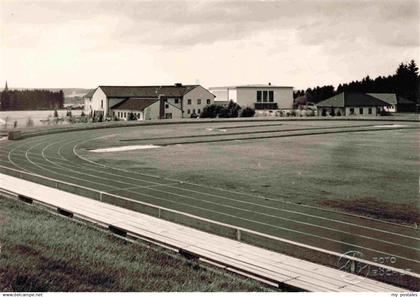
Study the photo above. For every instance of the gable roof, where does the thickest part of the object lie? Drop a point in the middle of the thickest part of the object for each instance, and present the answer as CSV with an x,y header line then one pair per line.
x,y
89,94
402,100
352,100
135,104
390,98
146,91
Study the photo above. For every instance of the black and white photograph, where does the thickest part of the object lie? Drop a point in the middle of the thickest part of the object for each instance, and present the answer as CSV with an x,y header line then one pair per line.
x,y
191,146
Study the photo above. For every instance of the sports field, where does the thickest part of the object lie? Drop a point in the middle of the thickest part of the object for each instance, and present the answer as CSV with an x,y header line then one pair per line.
x,y
279,178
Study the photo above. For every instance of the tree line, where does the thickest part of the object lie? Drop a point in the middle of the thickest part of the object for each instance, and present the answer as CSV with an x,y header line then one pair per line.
x,y
31,99
405,82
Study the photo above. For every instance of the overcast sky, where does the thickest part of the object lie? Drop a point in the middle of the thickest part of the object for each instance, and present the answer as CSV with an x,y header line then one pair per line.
x,y
291,42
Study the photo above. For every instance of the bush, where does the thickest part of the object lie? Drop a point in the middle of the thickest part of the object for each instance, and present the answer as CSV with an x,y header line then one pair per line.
x,y
131,117
339,113
324,113
332,113
247,112
385,113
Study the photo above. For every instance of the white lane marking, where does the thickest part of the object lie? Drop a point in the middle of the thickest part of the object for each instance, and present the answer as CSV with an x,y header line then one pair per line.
x,y
390,126
125,148
119,169
200,200
161,199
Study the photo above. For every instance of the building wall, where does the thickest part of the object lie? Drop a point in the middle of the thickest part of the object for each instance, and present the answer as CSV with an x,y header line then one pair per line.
x,y
174,111
99,101
87,106
348,111
198,93
152,111
247,97
356,111
222,94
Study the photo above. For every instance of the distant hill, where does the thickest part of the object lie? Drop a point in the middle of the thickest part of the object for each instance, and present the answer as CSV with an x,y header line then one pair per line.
x,y
71,95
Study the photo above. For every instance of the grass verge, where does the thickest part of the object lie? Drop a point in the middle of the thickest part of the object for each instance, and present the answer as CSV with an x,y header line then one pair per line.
x,y
44,252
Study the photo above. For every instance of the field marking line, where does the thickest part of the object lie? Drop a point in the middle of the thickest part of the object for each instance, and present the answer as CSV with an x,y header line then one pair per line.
x,y
212,203
274,208
45,168
379,230
140,187
261,223
252,221
246,210
221,189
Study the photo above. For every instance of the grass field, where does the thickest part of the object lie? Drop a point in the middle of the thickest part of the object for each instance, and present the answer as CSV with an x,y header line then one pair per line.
x,y
378,168
44,252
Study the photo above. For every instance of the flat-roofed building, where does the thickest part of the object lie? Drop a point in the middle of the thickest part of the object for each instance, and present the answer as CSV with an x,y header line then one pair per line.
x,y
259,97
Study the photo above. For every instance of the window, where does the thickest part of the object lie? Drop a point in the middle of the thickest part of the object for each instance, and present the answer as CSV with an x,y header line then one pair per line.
x,y
102,103
370,110
265,96
270,96
176,101
138,115
189,101
125,114
258,96
208,101
198,101
361,110
166,106
198,111
118,114
188,111
194,111
113,113
352,110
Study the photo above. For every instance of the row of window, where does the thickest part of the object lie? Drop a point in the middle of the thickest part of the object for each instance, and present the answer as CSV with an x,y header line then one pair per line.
x,y
361,110
189,101
193,111
265,96
124,114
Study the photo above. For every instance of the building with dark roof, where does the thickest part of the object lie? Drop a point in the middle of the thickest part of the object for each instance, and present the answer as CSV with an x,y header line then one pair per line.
x,y
355,104
148,102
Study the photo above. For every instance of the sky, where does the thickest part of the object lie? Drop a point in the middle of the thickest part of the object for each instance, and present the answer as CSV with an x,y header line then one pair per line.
x,y
84,44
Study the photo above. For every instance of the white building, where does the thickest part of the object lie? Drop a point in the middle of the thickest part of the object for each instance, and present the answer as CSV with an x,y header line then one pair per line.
x,y
170,101
259,97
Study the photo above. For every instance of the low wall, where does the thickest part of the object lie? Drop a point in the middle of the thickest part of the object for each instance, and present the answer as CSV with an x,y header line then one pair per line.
x,y
280,245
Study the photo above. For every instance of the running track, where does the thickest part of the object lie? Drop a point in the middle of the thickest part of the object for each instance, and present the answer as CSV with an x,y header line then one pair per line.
x,y
60,156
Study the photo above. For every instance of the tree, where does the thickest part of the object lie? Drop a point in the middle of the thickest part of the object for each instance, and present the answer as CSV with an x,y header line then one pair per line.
x,y
233,109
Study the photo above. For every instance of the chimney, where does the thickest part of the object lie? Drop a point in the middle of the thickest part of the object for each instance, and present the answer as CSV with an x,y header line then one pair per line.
x,y
269,83
178,84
